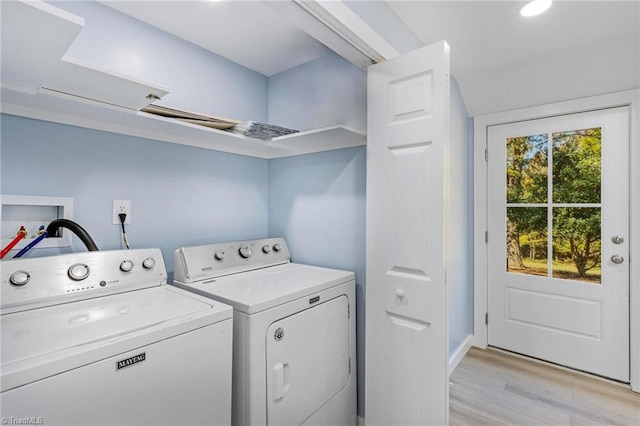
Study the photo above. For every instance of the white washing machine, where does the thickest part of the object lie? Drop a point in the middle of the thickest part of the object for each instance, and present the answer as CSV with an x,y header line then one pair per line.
x,y
99,338
294,331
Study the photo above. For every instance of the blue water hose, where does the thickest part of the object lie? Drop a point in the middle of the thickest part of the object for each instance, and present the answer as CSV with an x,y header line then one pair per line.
x,y
31,245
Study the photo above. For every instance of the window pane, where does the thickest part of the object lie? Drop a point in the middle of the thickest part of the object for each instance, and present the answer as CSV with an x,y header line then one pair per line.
x,y
527,240
576,243
576,166
527,165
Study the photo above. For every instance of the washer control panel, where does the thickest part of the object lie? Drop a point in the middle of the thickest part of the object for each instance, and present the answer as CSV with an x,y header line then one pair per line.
x,y
200,263
44,281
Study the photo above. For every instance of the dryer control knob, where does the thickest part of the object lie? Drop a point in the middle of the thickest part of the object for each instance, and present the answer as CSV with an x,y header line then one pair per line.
x,y
19,278
277,247
245,252
219,255
126,266
78,271
149,263
266,249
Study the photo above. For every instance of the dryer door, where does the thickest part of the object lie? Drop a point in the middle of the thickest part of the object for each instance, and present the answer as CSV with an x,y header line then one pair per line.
x,y
307,361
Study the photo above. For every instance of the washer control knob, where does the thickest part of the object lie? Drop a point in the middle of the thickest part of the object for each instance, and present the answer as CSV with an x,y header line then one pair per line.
x,y
245,252
78,271
219,255
277,247
126,266
19,278
266,249
149,263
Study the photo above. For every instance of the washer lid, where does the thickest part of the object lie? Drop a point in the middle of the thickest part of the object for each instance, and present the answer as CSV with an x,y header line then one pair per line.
x,y
40,336
254,291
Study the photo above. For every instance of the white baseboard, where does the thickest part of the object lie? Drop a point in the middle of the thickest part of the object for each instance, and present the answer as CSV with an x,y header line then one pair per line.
x,y
360,421
459,353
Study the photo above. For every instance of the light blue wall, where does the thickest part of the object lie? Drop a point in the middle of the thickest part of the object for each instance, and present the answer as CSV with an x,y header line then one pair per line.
x,y
459,223
199,80
317,203
324,92
179,195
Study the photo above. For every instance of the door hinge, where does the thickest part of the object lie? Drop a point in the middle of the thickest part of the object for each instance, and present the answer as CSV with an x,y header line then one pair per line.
x,y
486,236
486,318
486,154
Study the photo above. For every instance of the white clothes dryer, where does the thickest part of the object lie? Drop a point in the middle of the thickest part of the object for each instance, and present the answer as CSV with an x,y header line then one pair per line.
x,y
98,338
294,331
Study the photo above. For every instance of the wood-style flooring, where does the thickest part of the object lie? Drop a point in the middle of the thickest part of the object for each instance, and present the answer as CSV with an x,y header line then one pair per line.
x,y
494,388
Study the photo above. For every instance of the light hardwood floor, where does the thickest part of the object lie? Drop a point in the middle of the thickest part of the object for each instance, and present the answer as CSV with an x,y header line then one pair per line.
x,y
493,388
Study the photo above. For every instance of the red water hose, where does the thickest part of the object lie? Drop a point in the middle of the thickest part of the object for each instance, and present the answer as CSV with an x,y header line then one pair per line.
x,y
21,234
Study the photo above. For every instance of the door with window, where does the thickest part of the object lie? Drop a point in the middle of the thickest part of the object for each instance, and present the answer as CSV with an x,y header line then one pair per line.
x,y
558,240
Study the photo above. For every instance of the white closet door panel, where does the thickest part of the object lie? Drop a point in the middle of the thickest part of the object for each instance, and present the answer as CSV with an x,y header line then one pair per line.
x,y
406,371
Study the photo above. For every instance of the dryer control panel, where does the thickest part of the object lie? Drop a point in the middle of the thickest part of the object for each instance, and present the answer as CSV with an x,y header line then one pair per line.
x,y
29,283
206,262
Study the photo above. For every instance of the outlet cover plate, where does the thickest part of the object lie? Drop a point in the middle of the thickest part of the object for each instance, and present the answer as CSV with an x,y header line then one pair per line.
x,y
121,206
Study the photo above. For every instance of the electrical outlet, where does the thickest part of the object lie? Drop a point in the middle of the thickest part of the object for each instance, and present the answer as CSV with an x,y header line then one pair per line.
x,y
121,206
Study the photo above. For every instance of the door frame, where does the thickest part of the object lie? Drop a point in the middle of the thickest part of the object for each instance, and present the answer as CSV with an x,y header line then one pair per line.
x,y
630,98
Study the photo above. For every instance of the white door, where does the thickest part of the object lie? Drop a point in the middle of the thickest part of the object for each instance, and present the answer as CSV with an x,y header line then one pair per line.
x,y
558,239
406,317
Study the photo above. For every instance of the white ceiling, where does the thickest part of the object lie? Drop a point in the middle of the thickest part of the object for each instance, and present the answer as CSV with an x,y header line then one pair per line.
x,y
485,35
249,33
576,49
503,61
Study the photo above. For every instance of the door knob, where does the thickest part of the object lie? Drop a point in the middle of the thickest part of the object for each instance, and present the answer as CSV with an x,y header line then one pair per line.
x,y
617,239
617,259
400,293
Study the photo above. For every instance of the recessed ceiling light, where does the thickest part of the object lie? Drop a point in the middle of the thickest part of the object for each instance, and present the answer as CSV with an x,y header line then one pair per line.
x,y
535,7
